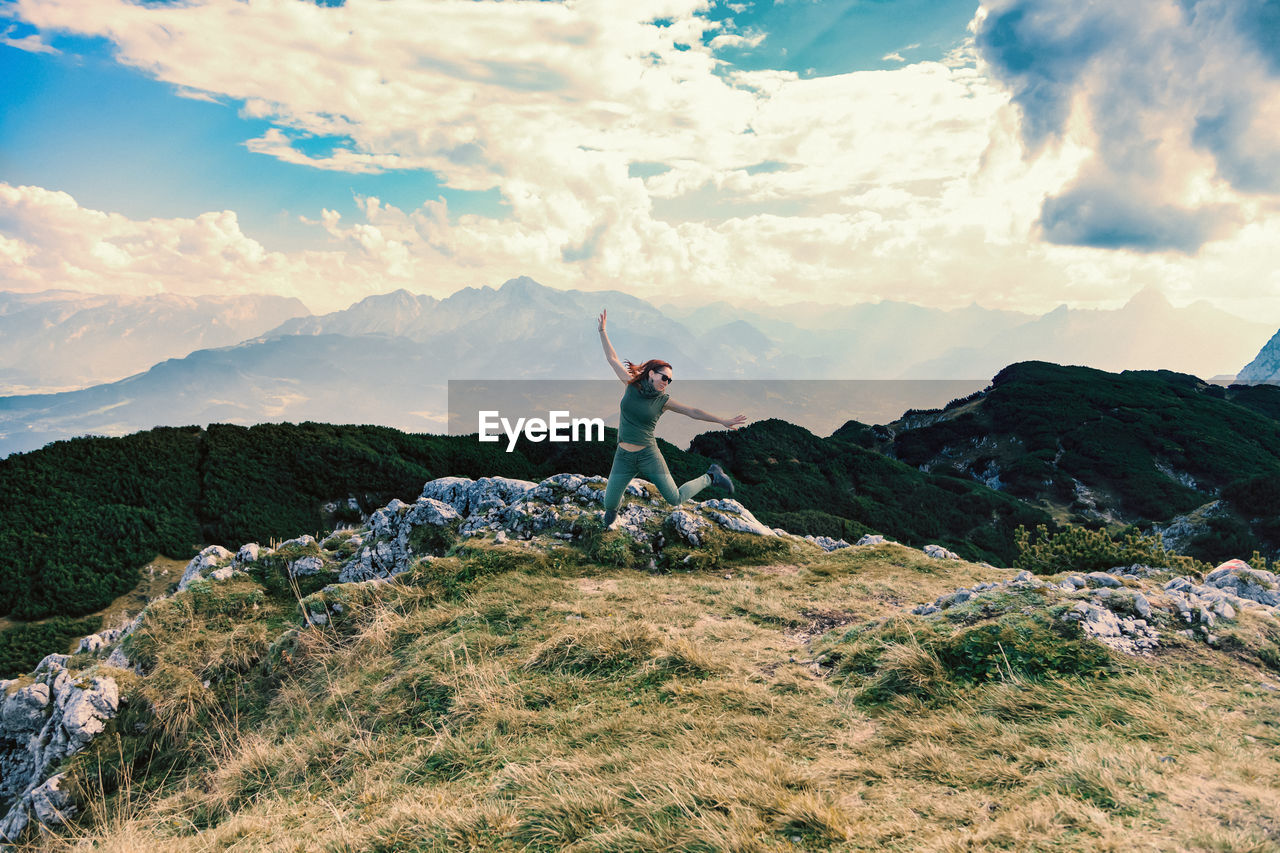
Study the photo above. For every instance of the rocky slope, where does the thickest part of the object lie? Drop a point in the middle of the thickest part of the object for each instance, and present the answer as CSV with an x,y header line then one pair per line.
x,y
352,591
1265,366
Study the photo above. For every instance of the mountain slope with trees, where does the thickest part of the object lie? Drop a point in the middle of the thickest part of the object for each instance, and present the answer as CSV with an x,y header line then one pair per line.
x,y
1138,447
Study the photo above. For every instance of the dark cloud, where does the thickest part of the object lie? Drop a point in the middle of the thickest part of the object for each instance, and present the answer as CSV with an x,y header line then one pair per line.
x,y
1041,53
1260,22
1109,217
1249,163
1159,83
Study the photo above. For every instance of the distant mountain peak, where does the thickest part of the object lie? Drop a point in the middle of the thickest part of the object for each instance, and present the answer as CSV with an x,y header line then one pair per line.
x,y
522,284
1150,298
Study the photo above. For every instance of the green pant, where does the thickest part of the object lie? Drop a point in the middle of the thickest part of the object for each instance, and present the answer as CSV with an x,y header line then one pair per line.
x,y
649,462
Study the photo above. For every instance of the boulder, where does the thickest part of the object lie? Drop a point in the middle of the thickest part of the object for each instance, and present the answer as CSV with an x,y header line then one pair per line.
x,y
472,497
688,526
732,515
1244,581
826,543
208,559
388,551
937,552
304,566
43,723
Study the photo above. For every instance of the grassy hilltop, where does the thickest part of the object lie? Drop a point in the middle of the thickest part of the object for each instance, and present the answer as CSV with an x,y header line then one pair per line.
x,y
79,518
547,695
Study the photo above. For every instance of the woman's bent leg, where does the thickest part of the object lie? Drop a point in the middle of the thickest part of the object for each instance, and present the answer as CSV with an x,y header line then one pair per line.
x,y
624,468
655,468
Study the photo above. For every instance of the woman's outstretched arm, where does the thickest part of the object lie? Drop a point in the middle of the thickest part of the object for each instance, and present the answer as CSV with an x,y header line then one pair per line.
x,y
699,415
609,355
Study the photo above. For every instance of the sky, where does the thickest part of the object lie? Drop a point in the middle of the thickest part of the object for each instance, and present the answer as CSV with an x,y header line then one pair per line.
x,y
1021,154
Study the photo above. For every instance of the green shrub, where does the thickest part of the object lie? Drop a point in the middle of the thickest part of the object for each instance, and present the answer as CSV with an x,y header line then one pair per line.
x,y
1078,549
433,538
928,658
1021,644
24,646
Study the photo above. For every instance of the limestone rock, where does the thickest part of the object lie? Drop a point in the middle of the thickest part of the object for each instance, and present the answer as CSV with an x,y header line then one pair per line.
x,y
937,552
248,553
1101,579
688,526
304,566
95,643
871,539
388,552
1244,581
826,543
209,558
732,515
471,497
41,725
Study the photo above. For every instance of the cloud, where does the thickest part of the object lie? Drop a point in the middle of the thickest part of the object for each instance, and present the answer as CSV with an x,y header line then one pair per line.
x,y
1105,215
629,155
1178,101
274,143
31,43
49,241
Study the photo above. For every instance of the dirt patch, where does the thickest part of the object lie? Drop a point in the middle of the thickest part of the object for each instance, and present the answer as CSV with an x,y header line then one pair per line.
x,y
779,569
820,622
596,586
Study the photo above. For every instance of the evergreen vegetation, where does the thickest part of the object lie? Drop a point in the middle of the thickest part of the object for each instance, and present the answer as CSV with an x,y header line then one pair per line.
x,y
22,647
1146,445
831,486
1079,549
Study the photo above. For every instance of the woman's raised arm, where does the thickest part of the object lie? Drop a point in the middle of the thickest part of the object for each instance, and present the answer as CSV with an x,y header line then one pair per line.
x,y
609,355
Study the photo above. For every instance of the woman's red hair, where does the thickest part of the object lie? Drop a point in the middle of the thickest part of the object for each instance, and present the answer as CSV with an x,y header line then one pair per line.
x,y
642,372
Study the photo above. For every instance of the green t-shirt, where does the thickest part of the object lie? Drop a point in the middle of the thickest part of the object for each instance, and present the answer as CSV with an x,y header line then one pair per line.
x,y
639,416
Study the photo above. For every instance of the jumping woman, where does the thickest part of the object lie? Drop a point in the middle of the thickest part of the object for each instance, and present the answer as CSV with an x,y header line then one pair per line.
x,y
643,402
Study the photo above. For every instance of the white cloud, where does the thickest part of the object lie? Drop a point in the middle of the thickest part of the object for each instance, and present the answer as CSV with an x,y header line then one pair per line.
x,y
905,184
55,243
31,44
1178,103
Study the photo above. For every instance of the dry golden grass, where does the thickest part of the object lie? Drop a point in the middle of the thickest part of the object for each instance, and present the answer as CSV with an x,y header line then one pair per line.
x,y
616,710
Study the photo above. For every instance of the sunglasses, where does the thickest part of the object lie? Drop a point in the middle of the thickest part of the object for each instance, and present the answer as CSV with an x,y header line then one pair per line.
x,y
665,378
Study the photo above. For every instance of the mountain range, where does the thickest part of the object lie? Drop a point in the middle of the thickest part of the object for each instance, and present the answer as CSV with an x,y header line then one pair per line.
x,y
386,359
62,340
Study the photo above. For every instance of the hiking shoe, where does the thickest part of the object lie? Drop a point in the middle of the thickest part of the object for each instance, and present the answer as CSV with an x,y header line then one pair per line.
x,y
719,478
610,518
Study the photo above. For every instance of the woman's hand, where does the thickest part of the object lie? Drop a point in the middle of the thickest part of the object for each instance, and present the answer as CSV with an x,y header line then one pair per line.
x,y
734,422
604,315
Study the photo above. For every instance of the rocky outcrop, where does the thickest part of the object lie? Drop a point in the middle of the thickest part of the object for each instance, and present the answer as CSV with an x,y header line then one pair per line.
x,y
1124,608
1245,583
453,508
826,543
1265,366
389,548
476,497
210,560
44,719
